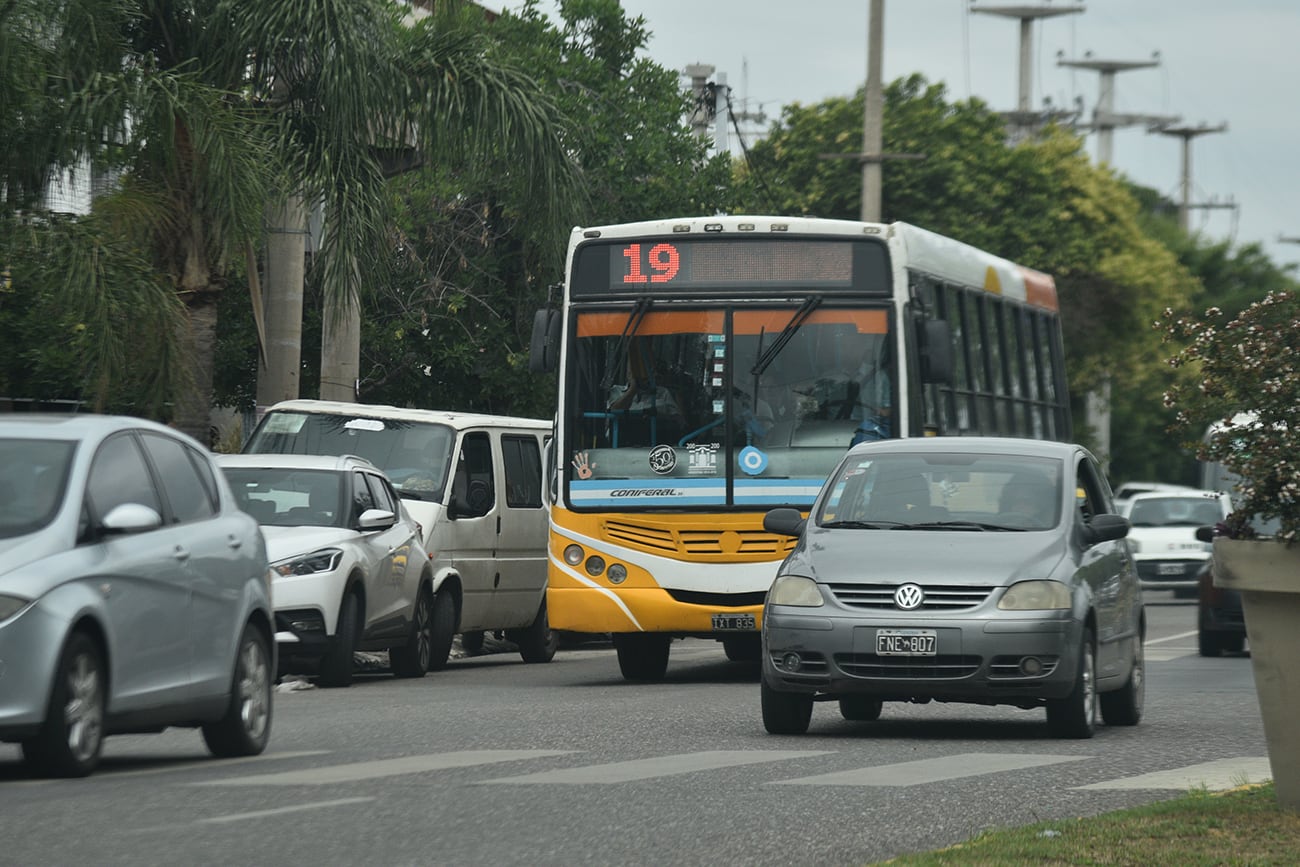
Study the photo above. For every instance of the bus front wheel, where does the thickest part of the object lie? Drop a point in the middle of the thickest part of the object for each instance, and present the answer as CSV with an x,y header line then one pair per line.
x,y
642,657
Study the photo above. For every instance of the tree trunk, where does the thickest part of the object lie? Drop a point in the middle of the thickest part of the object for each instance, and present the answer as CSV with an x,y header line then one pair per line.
x,y
340,349
194,403
286,251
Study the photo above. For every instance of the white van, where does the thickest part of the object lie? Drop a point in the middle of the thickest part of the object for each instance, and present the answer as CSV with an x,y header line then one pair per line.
x,y
474,484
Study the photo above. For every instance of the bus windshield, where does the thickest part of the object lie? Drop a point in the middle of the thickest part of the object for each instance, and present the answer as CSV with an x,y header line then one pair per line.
x,y
711,406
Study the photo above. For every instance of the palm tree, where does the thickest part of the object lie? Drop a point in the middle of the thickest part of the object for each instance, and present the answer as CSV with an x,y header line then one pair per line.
x,y
220,111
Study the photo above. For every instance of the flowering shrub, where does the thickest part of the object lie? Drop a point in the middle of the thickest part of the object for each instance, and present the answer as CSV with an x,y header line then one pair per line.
x,y
1248,384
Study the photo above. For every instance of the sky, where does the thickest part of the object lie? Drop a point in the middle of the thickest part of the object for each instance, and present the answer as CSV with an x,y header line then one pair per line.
x,y
1235,63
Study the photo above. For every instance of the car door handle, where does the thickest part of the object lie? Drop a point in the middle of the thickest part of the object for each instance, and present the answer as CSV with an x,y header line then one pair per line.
x,y
181,553
236,542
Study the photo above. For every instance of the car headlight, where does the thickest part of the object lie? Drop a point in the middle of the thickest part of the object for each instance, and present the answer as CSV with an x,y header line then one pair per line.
x,y
796,590
11,605
1134,545
324,560
1035,596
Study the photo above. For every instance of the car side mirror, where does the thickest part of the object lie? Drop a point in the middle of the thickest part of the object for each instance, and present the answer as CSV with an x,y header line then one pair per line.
x,y
130,518
1106,528
376,519
1205,534
784,521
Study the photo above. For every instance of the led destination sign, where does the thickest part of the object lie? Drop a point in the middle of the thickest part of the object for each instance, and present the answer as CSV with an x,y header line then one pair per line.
x,y
692,265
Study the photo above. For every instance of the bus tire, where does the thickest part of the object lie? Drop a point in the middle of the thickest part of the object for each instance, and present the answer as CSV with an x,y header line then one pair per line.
x,y
642,657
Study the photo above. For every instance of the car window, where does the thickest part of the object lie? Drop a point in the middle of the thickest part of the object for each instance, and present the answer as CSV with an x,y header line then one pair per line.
x,y
380,495
187,494
119,475
1091,499
523,468
362,499
474,476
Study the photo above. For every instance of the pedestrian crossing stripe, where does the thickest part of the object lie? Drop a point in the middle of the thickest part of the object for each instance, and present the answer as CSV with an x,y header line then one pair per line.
x,y
1214,775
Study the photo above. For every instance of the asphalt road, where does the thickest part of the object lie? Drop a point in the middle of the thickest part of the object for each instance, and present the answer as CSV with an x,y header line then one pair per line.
x,y
496,762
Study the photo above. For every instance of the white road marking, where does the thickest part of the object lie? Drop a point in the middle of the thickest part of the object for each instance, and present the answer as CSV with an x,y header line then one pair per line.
x,y
661,766
1169,638
384,768
932,770
279,811
212,764
1216,776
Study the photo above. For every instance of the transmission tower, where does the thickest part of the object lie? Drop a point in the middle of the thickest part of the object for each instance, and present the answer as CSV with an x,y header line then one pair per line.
x,y
1105,120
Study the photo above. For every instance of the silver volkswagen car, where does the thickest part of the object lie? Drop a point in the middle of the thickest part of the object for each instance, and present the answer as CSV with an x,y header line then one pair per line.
x,y
134,595
959,569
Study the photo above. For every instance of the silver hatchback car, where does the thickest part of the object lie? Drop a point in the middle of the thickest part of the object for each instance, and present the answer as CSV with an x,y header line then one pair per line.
x,y
134,595
961,569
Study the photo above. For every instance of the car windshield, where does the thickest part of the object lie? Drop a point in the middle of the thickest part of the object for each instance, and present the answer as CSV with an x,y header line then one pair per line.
x,y
416,456
33,478
944,491
1176,512
279,497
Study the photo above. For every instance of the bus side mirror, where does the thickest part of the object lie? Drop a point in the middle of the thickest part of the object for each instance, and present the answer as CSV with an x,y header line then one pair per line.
x,y
935,345
544,348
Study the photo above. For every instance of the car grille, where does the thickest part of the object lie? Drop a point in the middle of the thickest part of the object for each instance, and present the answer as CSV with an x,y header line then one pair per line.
x,y
938,597
907,668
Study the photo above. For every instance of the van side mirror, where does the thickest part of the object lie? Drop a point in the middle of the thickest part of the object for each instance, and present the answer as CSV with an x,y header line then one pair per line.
x,y
934,347
544,347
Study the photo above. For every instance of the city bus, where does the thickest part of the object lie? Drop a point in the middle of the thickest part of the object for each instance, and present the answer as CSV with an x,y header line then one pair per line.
x,y
713,368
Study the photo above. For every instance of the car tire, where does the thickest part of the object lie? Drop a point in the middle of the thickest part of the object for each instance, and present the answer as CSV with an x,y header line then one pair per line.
x,y
743,648
415,657
337,664
860,708
1075,716
472,642
72,736
1123,706
1209,644
443,622
642,657
246,726
536,642
785,713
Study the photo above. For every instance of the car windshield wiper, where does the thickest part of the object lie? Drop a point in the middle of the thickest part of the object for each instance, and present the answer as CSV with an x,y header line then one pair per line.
x,y
774,348
966,525
868,525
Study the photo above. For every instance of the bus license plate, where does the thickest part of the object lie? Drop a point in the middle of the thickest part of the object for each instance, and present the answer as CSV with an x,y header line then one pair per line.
x,y
733,623
905,642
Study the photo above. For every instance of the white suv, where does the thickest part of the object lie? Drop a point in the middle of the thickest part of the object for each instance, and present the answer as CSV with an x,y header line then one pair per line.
x,y
350,571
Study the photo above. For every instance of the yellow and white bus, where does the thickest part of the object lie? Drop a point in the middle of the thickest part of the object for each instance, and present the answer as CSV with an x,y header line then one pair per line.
x,y
711,369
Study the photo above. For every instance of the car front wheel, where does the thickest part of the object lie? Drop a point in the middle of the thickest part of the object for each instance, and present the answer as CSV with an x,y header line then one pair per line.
x,y
336,665
1075,716
785,713
246,727
413,658
69,742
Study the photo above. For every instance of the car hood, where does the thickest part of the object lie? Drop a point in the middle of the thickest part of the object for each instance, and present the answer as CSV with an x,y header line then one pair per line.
x,y
22,551
926,556
284,542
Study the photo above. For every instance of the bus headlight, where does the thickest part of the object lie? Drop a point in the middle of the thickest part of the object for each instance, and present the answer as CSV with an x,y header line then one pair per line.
x,y
617,573
796,590
595,565
1035,596
573,555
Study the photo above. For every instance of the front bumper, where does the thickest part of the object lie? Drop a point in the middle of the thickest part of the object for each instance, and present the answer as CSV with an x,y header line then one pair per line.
x,y
978,658
30,644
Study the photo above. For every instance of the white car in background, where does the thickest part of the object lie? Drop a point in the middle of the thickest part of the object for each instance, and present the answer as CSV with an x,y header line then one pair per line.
x,y
1163,535
1126,491
350,571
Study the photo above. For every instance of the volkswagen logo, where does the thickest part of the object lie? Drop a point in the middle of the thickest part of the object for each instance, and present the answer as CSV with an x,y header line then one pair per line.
x,y
908,597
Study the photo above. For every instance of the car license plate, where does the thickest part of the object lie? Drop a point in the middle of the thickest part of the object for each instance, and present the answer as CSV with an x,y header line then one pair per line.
x,y
1170,569
905,642
733,623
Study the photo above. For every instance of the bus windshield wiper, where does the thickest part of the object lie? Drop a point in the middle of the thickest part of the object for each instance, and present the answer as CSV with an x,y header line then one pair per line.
x,y
774,349
634,319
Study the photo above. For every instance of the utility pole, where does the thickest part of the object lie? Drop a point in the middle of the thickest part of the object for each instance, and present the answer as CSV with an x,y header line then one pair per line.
x,y
1105,120
873,120
1187,133
1024,121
